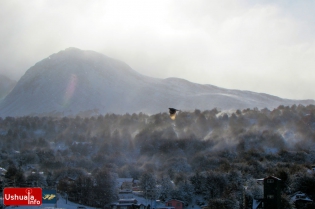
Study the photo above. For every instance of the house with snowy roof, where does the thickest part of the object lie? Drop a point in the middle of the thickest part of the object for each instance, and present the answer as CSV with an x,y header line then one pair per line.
x,y
128,184
300,200
127,204
125,194
122,183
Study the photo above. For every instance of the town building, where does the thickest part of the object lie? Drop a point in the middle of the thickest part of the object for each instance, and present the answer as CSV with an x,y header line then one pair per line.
x,y
177,204
272,194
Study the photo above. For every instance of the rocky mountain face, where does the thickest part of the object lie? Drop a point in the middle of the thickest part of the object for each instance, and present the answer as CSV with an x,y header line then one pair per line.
x,y
74,81
6,86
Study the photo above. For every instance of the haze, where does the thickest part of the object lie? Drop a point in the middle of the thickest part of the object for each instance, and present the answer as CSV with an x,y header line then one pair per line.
x,y
261,46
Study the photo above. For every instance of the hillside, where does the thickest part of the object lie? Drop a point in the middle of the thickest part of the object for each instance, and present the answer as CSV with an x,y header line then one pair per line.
x,y
74,81
6,86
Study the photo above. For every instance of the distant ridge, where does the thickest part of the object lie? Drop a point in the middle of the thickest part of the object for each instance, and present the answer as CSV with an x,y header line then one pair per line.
x,y
75,81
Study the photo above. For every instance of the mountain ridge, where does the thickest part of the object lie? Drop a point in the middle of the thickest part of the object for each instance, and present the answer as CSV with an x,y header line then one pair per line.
x,y
74,81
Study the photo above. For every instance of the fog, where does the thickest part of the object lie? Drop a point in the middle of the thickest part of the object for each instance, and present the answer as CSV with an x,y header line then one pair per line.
x,y
261,46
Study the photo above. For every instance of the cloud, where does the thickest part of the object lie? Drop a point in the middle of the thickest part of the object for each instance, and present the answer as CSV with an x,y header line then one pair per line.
x,y
265,46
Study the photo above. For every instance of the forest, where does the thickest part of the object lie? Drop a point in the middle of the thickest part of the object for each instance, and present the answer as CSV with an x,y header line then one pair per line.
x,y
209,154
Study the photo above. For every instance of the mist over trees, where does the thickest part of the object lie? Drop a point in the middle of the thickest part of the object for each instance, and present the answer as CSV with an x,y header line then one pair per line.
x,y
208,153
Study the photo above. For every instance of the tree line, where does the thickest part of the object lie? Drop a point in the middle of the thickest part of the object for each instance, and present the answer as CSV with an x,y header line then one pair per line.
x,y
209,153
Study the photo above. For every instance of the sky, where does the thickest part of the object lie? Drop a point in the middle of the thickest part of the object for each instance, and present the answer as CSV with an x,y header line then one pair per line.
x,y
265,46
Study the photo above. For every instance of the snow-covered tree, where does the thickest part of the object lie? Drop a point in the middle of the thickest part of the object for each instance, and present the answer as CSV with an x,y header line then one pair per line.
x,y
104,188
148,185
165,188
186,192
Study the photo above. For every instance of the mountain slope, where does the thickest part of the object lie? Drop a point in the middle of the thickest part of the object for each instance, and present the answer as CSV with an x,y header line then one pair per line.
x,y
6,86
74,81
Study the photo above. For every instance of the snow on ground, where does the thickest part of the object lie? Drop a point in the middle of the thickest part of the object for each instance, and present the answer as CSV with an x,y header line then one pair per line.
x,y
61,203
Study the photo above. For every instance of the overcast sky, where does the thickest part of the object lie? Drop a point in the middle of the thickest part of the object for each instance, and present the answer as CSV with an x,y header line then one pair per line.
x,y
262,46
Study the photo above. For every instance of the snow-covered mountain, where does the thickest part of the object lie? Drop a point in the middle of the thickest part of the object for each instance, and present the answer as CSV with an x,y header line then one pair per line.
x,y
73,81
6,85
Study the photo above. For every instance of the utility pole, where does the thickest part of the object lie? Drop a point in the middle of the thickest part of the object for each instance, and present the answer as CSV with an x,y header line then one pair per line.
x,y
2,188
244,197
67,193
146,192
56,195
